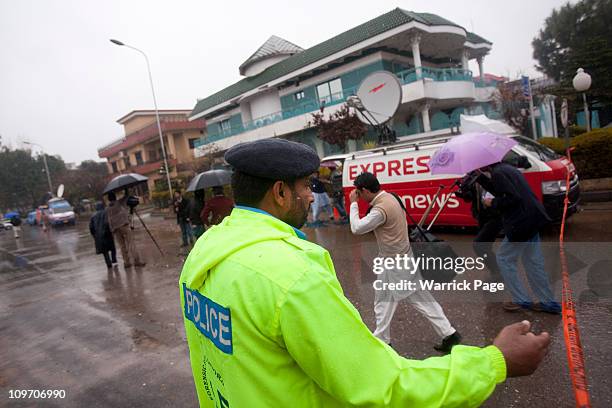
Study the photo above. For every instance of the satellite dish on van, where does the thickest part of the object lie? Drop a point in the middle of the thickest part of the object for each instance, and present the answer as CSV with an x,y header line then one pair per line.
x,y
380,94
60,191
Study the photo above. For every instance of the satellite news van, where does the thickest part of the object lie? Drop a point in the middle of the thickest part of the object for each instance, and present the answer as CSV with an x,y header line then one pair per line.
x,y
402,168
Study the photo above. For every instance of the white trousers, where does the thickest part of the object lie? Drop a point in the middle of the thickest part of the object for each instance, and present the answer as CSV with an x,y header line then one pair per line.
x,y
423,302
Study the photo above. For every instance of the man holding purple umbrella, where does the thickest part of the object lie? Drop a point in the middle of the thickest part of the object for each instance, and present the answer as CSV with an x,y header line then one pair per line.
x,y
522,213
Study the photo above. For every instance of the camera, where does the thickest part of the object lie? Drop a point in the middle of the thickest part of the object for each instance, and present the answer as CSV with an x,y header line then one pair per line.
x,y
466,184
132,202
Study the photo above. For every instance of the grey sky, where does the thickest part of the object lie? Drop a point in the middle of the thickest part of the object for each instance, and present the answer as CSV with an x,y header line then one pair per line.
x,y
63,84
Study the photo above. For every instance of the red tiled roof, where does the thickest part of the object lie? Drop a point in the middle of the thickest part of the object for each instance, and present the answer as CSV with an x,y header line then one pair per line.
x,y
149,132
151,167
492,77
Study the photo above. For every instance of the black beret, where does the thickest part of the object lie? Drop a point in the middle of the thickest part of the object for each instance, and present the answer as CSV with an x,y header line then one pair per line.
x,y
276,159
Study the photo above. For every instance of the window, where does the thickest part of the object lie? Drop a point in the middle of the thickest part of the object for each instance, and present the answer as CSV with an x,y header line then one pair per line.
x,y
114,166
544,153
126,161
192,142
225,126
138,158
330,91
298,96
152,155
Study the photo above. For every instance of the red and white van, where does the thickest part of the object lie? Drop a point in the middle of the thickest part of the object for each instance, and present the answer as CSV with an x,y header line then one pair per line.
x,y
403,169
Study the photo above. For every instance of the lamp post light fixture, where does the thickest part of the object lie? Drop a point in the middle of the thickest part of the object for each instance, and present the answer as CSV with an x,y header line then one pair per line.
x,y
582,83
159,129
45,163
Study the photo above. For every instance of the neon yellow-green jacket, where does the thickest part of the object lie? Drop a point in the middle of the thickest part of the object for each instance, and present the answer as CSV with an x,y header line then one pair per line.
x,y
268,326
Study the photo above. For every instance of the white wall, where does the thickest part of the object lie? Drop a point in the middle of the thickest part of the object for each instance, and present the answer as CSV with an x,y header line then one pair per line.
x,y
413,92
265,104
449,89
245,111
260,65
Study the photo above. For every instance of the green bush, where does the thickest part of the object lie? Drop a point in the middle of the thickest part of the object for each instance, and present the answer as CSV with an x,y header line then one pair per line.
x,y
576,130
555,143
592,152
161,199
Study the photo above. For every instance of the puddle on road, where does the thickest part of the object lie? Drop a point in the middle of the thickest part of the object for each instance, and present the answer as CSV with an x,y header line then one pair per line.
x,y
12,263
143,340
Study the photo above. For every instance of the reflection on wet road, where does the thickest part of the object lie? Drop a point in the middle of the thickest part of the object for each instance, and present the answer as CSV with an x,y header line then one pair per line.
x,y
115,337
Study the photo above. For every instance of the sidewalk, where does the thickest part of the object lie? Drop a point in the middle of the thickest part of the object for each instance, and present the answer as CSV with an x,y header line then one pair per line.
x,y
596,190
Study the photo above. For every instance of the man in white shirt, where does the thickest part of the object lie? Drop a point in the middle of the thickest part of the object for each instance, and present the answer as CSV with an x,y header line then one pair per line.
x,y
388,222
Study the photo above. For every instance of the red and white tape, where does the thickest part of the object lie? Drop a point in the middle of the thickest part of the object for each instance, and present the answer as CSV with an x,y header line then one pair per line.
x,y
575,356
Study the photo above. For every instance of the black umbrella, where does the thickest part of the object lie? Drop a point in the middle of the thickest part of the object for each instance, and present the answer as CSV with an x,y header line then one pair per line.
x,y
210,178
124,181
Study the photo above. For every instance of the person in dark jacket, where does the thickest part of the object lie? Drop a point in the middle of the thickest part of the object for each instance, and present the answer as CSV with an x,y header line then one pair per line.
x,y
217,208
489,223
523,215
338,192
194,213
181,208
103,237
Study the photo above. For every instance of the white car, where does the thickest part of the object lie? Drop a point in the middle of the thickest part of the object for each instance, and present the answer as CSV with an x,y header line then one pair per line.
x,y
6,225
60,212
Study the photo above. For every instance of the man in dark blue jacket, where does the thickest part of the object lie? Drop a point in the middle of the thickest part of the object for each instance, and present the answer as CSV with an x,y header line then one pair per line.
x,y
523,215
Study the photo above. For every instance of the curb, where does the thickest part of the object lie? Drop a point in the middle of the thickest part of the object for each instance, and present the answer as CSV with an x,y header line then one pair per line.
x,y
596,196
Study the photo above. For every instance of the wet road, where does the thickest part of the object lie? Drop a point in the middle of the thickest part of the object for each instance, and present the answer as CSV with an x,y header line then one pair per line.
x,y
116,338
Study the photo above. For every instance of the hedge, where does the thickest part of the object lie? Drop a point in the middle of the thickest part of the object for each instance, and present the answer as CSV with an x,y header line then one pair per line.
x,y
592,152
161,199
555,143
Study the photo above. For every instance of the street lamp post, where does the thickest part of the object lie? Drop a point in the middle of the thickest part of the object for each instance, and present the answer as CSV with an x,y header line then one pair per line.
x,y
45,163
582,83
159,129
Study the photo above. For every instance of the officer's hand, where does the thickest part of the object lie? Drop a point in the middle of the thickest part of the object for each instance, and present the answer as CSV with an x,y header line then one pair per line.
x,y
522,349
354,196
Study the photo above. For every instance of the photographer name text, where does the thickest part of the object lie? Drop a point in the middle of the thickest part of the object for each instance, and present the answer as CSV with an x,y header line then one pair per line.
x,y
431,285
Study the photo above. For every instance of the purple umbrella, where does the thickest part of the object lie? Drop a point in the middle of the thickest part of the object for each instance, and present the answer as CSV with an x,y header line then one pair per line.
x,y
470,151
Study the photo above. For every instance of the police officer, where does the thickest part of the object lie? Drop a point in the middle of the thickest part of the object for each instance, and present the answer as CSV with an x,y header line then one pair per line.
x,y
268,324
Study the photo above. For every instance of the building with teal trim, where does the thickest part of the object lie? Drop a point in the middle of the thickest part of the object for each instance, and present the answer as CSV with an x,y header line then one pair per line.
x,y
284,84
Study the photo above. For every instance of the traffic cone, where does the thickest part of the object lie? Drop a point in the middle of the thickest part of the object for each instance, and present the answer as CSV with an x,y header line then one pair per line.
x,y
336,214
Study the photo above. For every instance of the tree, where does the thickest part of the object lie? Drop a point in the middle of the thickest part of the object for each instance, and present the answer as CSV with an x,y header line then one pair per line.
x,y
509,100
86,181
340,127
23,182
578,36
22,179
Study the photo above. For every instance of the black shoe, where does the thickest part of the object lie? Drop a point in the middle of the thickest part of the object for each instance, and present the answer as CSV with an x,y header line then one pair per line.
x,y
448,342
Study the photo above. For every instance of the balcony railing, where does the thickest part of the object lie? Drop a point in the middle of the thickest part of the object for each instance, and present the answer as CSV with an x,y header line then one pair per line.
x,y
311,105
485,84
436,74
